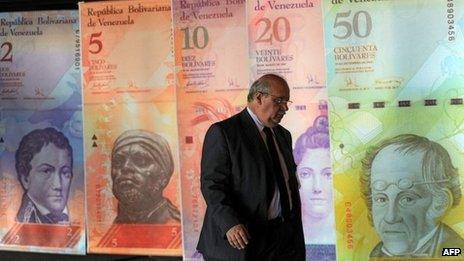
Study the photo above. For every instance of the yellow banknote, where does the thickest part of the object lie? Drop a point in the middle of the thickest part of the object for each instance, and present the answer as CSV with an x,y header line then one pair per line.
x,y
398,179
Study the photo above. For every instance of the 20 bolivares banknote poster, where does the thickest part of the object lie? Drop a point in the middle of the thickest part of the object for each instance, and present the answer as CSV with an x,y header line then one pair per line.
x,y
396,109
41,163
286,38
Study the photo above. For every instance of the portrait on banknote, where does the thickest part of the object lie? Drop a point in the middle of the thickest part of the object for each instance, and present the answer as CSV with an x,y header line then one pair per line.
x,y
312,155
41,165
141,167
44,162
409,183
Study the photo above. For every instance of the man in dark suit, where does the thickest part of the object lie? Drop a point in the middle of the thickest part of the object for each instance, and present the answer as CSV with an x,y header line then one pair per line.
x,y
249,184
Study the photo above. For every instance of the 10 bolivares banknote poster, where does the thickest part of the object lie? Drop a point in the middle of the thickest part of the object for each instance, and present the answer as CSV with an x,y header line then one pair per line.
x,y
394,77
286,38
212,78
132,166
41,149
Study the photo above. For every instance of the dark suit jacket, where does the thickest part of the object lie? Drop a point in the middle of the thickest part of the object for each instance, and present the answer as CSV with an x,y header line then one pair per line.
x,y
235,167
29,213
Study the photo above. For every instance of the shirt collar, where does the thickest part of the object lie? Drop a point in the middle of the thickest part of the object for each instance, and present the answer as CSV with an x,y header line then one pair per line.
x,y
255,119
43,210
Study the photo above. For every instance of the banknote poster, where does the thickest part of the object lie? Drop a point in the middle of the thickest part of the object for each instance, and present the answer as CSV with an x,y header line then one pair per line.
x,y
41,148
212,83
286,38
394,50
404,197
131,148
396,127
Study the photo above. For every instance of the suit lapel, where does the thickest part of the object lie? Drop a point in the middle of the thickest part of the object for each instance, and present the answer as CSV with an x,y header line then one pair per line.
x,y
253,136
285,149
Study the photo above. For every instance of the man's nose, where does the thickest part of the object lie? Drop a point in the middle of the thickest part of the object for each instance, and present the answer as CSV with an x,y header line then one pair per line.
x,y
285,106
316,184
56,181
128,164
392,216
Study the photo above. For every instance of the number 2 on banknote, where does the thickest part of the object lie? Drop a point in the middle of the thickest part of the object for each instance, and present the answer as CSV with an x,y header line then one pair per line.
x,y
195,39
94,41
8,56
354,26
275,34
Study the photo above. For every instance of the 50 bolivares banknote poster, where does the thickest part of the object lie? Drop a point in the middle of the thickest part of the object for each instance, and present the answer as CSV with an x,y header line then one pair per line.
x,y
395,98
132,166
41,150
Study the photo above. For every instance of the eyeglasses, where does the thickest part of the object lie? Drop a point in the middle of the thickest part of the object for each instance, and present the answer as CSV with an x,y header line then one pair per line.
x,y
278,100
403,184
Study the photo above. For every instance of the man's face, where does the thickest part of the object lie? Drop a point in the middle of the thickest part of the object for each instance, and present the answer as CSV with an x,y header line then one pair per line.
x,y
269,112
50,178
316,183
400,207
135,174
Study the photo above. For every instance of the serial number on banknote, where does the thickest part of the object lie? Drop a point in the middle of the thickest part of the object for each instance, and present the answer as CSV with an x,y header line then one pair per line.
x,y
450,19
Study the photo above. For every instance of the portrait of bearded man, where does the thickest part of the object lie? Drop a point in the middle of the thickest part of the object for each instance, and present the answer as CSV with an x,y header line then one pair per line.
x,y
141,167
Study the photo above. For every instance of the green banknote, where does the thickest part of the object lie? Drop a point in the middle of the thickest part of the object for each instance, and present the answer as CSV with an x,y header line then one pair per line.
x,y
394,50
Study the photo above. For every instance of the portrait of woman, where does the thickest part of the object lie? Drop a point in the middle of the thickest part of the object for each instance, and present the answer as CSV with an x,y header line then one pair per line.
x,y
312,155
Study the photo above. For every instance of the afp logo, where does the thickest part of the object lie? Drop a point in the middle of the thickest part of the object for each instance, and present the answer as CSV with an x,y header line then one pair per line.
x,y
448,251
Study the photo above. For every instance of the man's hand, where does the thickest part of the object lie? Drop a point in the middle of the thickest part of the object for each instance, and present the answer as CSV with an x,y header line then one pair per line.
x,y
238,236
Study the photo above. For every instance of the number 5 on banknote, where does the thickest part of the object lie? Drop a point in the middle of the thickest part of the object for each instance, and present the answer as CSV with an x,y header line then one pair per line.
x,y
95,42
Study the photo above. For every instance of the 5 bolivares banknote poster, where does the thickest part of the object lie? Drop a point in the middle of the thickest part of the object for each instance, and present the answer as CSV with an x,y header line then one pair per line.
x,y
131,148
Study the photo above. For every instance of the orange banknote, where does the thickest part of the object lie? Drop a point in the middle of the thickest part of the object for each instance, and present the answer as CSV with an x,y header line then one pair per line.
x,y
131,148
286,37
212,83
127,49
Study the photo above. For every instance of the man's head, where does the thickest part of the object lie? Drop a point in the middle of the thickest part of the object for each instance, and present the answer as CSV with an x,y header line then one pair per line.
x,y
141,166
268,98
408,183
44,162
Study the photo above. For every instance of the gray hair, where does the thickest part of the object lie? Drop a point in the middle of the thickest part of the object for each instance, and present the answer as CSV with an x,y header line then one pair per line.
x,y
262,85
436,165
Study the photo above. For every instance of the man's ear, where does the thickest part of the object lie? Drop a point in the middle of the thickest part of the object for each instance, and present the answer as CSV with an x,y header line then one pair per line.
x,y
25,181
441,203
259,97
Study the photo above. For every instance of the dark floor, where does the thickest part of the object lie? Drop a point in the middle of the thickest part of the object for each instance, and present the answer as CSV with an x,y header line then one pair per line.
x,y
18,256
